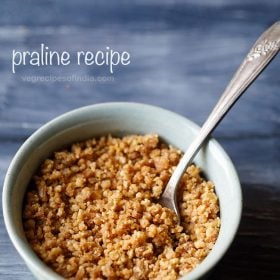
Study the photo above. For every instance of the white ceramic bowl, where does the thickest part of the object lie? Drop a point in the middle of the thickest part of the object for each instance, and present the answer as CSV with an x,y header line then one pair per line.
x,y
119,119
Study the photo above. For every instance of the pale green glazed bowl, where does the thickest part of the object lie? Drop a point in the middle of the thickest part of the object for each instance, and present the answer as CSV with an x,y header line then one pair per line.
x,y
119,119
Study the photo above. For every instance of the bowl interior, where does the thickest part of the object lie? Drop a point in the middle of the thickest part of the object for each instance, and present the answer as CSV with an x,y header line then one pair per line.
x,y
119,119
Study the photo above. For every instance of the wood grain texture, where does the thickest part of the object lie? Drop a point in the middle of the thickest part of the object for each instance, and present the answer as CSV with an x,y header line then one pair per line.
x,y
183,55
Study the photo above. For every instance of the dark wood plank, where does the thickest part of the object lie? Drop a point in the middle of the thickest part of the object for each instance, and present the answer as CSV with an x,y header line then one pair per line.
x,y
174,61
255,253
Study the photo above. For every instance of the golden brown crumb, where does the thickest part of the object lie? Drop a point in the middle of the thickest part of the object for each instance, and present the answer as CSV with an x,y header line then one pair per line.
x,y
92,211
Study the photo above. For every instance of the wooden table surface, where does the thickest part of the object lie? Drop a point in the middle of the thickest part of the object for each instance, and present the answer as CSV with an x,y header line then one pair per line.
x,y
183,53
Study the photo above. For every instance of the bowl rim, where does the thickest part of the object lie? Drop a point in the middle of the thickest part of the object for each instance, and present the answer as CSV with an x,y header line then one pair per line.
x,y
27,254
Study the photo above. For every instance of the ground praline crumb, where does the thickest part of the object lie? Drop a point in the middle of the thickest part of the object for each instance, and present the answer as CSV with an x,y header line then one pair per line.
x,y
91,211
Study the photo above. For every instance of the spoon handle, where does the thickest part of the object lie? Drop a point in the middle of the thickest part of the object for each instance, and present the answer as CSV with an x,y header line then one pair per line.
x,y
263,51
